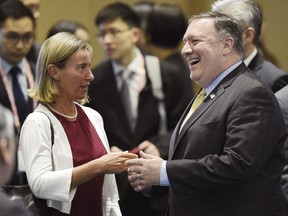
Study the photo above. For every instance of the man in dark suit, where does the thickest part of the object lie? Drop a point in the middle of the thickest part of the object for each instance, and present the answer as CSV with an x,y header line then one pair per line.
x,y
249,15
16,73
7,162
225,157
282,97
118,27
17,30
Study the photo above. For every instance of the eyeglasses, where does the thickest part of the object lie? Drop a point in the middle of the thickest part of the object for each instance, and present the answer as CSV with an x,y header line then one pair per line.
x,y
113,32
14,38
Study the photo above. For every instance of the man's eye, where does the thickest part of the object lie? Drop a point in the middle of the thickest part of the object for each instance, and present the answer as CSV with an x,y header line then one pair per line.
x,y
195,42
13,37
27,37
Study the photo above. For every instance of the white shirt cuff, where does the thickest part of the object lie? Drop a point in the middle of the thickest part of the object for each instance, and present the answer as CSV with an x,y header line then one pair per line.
x,y
164,181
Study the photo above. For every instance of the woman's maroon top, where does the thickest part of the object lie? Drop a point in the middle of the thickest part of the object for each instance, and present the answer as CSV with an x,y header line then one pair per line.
x,y
86,146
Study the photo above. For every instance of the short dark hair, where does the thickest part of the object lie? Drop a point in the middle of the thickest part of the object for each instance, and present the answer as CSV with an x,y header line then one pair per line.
x,y
65,26
16,10
225,26
166,25
117,10
142,9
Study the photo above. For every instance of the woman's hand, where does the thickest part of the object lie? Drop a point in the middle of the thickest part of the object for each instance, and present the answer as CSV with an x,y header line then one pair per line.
x,y
114,162
111,163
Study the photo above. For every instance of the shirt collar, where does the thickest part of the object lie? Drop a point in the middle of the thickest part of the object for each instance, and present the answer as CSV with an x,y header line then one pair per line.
x,y
7,66
135,65
212,86
250,57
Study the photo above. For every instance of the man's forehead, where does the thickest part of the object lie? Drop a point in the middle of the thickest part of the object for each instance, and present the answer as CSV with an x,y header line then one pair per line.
x,y
18,25
200,25
202,21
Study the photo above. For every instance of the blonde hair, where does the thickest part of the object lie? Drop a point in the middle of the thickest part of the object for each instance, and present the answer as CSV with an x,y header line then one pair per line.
x,y
55,50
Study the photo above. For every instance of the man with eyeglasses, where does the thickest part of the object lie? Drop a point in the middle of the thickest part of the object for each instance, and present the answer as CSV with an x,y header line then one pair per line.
x,y
125,74
16,73
34,6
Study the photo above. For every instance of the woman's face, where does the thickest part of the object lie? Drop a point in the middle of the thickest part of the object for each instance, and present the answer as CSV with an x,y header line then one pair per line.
x,y
75,77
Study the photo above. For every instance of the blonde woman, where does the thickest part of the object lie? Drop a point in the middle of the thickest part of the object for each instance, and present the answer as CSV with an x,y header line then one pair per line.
x,y
76,173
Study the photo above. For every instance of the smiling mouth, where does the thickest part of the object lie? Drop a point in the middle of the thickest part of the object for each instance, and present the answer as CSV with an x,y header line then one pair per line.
x,y
194,61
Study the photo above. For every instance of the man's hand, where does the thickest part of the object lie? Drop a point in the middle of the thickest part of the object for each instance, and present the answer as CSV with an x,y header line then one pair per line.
x,y
144,172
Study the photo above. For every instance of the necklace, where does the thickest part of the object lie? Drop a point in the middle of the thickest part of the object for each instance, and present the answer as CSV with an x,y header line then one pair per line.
x,y
61,114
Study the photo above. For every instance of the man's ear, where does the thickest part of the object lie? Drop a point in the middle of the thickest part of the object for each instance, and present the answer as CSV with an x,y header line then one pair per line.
x,y
248,35
228,44
53,71
136,34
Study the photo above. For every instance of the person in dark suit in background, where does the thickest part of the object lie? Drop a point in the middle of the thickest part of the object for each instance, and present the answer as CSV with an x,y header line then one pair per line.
x,y
166,25
34,6
225,155
118,27
282,96
16,39
7,162
249,15
16,72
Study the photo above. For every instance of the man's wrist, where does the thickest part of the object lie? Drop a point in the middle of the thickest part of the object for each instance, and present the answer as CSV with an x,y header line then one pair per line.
x,y
164,181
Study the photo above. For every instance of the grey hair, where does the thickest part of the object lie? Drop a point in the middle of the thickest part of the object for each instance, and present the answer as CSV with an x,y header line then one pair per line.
x,y
225,26
246,12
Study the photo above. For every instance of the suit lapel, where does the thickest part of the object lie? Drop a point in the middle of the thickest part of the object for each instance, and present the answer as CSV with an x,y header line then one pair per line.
x,y
4,95
256,63
116,100
109,97
204,106
208,101
174,138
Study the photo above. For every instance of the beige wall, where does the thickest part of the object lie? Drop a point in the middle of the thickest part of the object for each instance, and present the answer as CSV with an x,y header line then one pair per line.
x,y
275,29
84,11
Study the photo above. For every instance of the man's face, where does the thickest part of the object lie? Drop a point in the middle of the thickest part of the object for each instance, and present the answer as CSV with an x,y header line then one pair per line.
x,y
203,51
16,39
118,40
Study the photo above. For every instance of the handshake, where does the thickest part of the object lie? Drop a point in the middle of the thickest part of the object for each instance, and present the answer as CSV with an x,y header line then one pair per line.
x,y
144,171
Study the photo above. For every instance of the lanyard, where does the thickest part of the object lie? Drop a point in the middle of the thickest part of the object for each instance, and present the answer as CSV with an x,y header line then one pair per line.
x,y
8,88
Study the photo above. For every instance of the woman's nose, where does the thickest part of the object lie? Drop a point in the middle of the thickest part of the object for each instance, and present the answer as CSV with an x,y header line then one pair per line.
x,y
90,76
